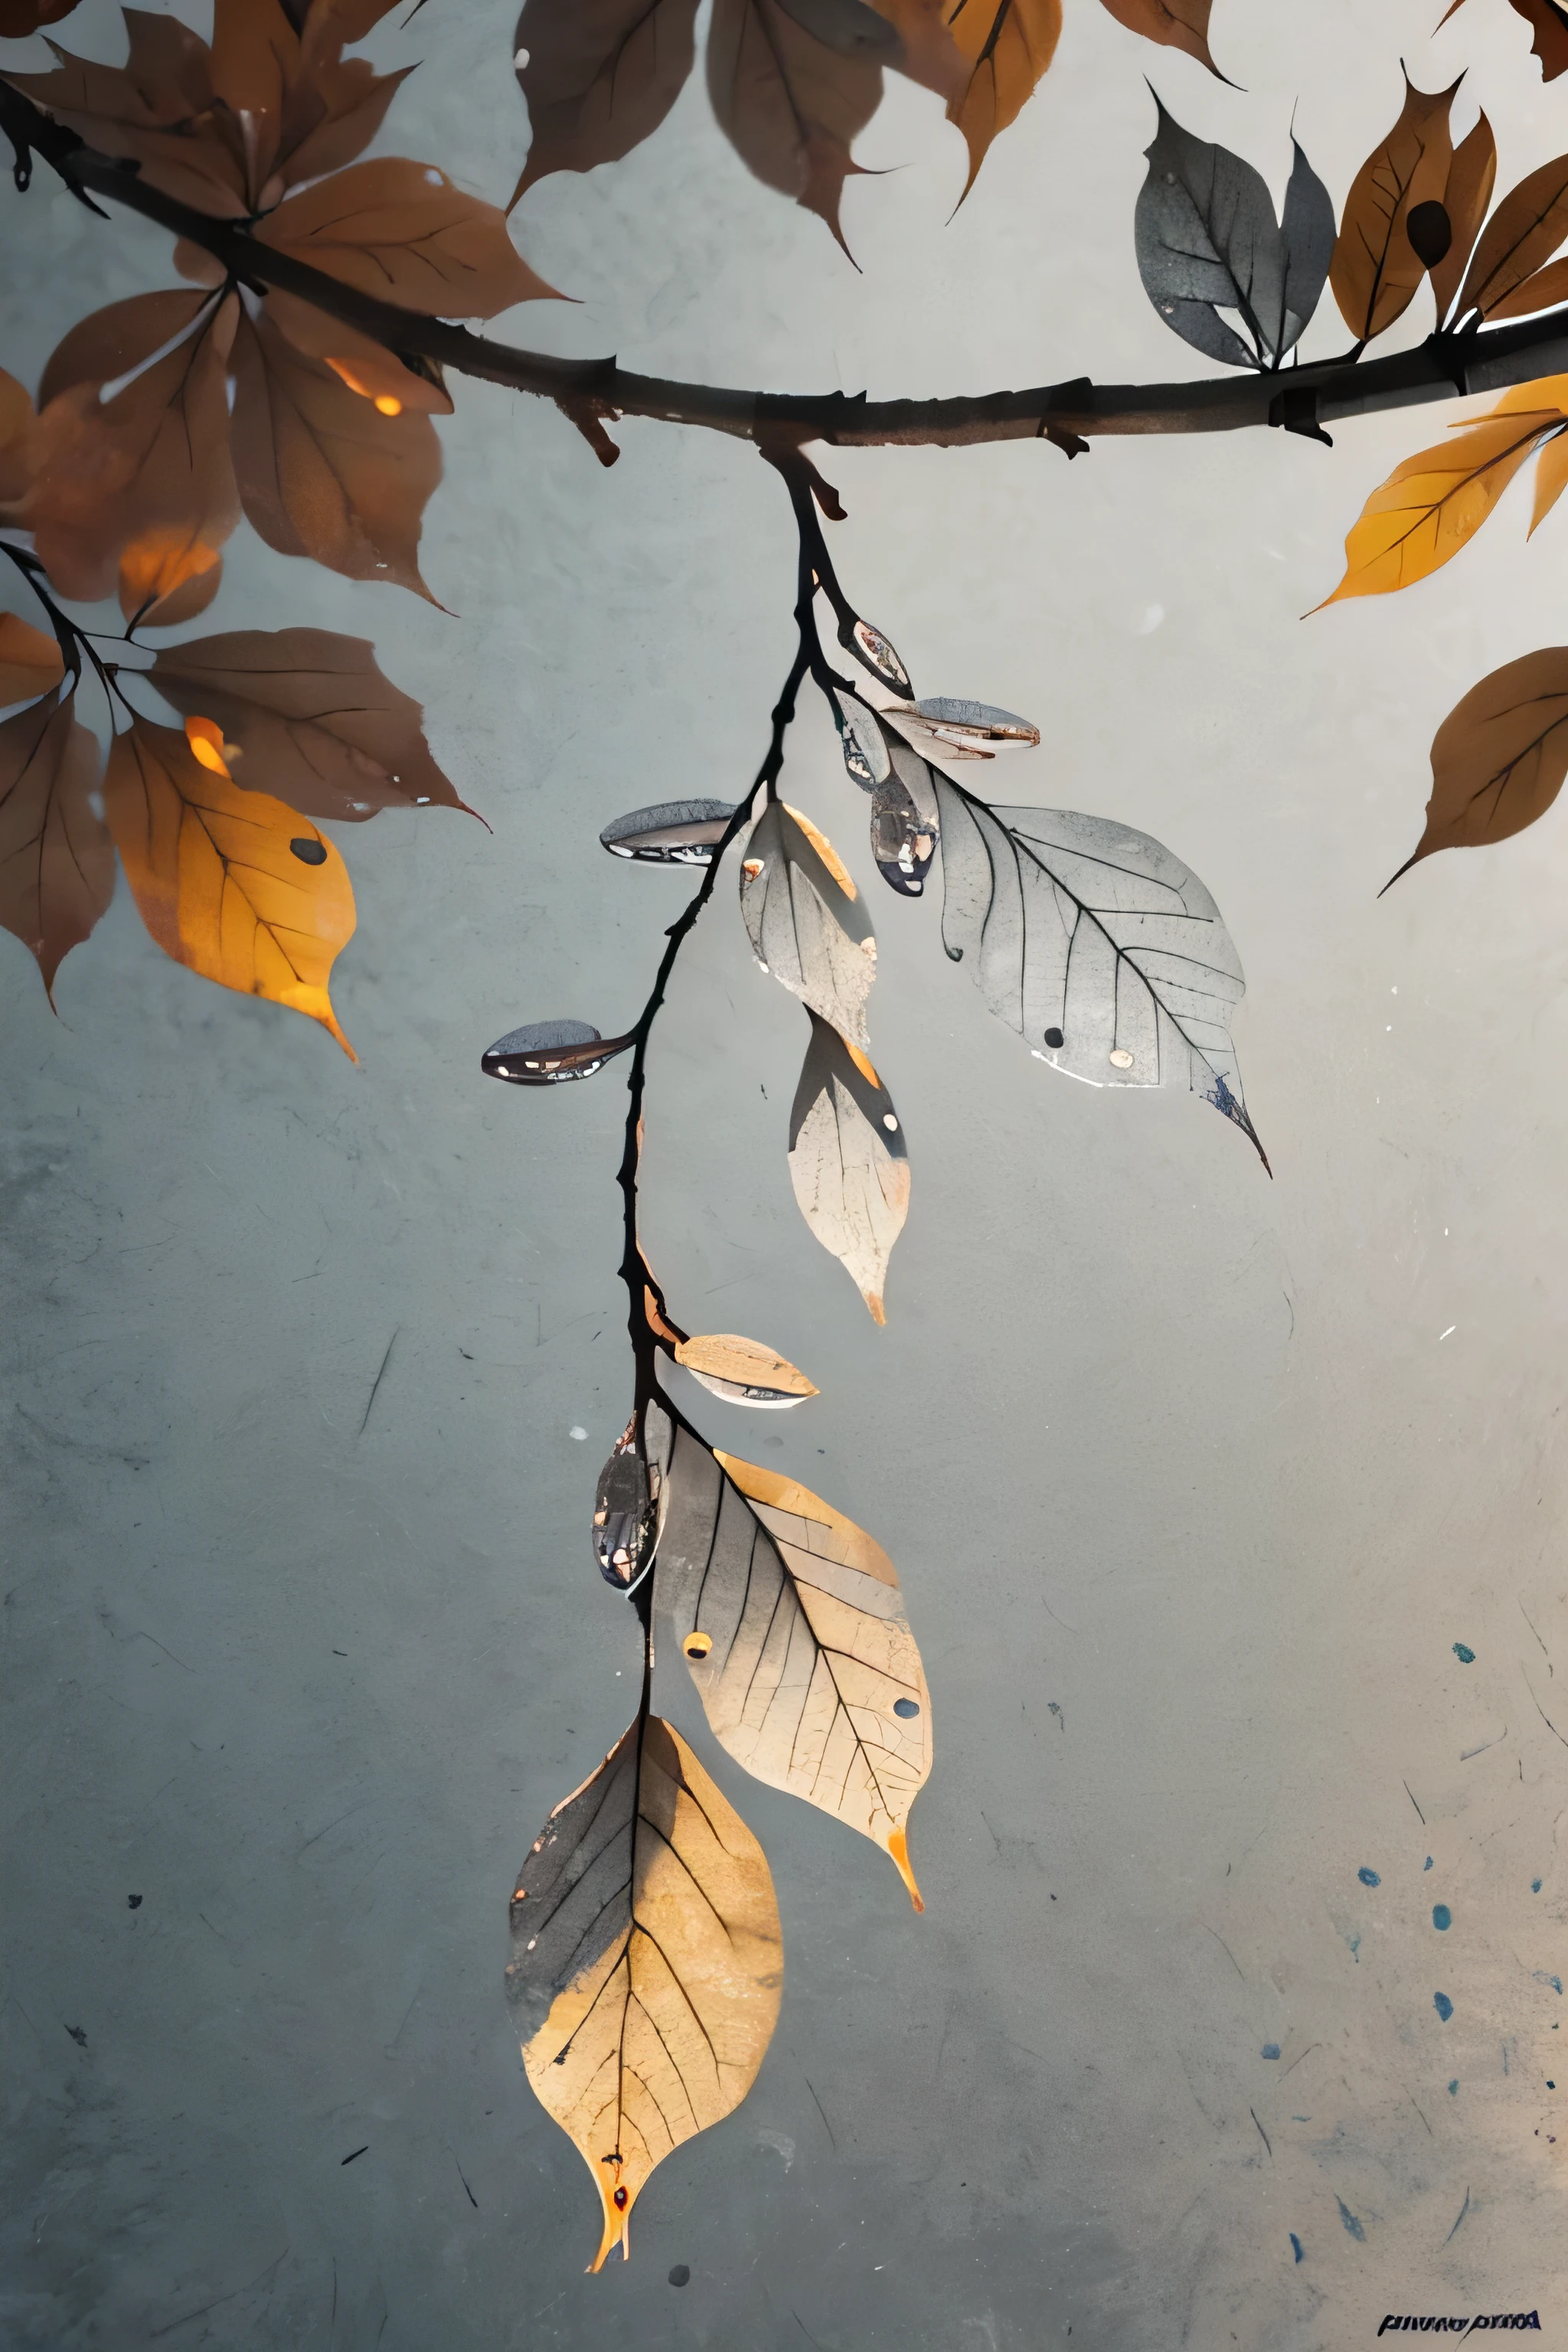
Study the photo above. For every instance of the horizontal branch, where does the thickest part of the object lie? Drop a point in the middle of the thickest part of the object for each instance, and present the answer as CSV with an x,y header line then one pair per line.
x,y
1301,398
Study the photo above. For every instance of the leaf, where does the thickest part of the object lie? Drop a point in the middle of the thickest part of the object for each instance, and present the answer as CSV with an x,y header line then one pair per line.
x,y
1206,239
20,17
147,470
1307,242
742,1370
543,1052
1174,24
1499,756
805,921
601,77
31,662
794,1627
926,53
15,435
647,1963
236,886
1466,196
847,1164
1433,505
861,738
1105,953
670,833
1376,270
625,1509
1526,230
56,861
789,106
156,110
964,724
1551,478
290,106
403,232
367,367
1542,292
313,720
1007,45
904,820
322,472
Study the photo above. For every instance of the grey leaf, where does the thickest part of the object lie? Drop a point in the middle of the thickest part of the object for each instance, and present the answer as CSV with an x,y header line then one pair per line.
x,y
955,716
810,932
848,1165
1306,234
904,821
670,833
542,1053
1206,239
574,1894
846,26
1097,945
860,736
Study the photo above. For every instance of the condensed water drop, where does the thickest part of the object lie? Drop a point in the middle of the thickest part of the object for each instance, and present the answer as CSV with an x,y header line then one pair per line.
x,y
889,1122
697,1645
1120,1059
521,61
907,1707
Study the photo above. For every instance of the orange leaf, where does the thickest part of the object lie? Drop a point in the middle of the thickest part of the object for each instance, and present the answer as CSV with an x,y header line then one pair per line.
x,y
15,437
1499,756
166,577
156,109
1433,504
1376,270
930,56
599,78
1008,45
1542,292
56,861
234,883
790,106
1529,226
1174,24
321,473
1467,193
1551,478
401,231
31,662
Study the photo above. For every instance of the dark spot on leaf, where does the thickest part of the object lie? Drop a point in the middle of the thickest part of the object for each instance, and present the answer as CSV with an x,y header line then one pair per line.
x,y
135,1901
1430,231
906,1707
620,2200
77,2036
1054,1037
310,853
680,2273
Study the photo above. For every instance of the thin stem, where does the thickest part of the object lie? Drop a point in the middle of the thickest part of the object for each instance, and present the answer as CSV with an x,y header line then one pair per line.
x,y
589,390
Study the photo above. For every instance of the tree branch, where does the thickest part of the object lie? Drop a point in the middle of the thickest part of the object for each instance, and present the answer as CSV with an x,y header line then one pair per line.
x,y
1302,399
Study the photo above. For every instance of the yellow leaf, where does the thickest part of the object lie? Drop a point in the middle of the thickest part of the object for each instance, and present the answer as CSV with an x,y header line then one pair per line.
x,y
232,883
803,916
646,1929
1007,45
1434,504
847,1164
30,660
1551,478
742,1369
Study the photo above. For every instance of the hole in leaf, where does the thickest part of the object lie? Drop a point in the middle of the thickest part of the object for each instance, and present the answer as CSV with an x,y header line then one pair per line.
x,y
697,1645
1430,231
309,853
1055,1038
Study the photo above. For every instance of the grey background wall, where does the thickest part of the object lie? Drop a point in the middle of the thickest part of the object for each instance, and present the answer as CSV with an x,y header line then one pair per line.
x,y
1194,1481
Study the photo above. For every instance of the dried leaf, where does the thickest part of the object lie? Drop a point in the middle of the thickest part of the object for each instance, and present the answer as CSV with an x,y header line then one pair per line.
x,y
15,441
367,368
968,725
20,17
625,1509
403,232
1542,292
543,1052
314,720
1376,270
1105,953
927,53
903,841
1526,230
601,76
145,473
1499,756
1466,196
1433,505
861,738
236,886
807,923
1174,24
670,833
1007,45
848,1165
156,110
322,472
742,1370
56,861
647,1963
31,662
165,579
789,106
792,1624
1206,239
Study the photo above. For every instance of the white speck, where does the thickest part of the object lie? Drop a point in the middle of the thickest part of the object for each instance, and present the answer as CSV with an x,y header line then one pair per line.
x,y
617,1673
889,1122
531,1941
1394,992
423,801
1388,1028
1445,1233
575,1432
433,178
1120,1058
521,61
1449,1332
1152,616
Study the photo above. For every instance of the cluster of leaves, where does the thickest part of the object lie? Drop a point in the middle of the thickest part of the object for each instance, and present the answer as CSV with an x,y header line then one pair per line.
x,y
793,82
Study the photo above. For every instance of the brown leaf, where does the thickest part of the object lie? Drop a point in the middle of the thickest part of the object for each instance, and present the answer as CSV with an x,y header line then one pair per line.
x,y
807,922
848,1165
1548,20
1467,193
31,662
1526,230
162,582
1542,292
1376,270
1499,756
156,109
1551,478
311,717
601,76
15,440
20,17
322,472
401,231
1008,45
148,468
791,1622
56,861
647,1963
367,367
742,1370
930,55
236,886
1174,24
789,105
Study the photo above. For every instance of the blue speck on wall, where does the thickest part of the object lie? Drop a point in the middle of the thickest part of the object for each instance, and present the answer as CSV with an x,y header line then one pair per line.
x,y
1454,2088
1350,2221
1442,2005
1535,1885
1427,1864
1296,2246
1441,1916
1465,1655
1369,1877
1270,2050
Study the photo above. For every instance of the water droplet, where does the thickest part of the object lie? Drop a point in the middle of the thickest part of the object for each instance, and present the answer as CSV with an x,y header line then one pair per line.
x,y
1535,1885
1120,1059
309,853
697,1645
907,1707
577,1431
889,1122
1454,2088
521,61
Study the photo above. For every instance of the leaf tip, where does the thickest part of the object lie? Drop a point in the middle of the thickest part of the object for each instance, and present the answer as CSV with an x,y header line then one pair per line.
x,y
873,1300
899,1849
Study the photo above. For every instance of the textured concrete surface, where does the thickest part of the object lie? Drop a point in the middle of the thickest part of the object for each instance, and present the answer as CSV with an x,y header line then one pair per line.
x,y
1194,1481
